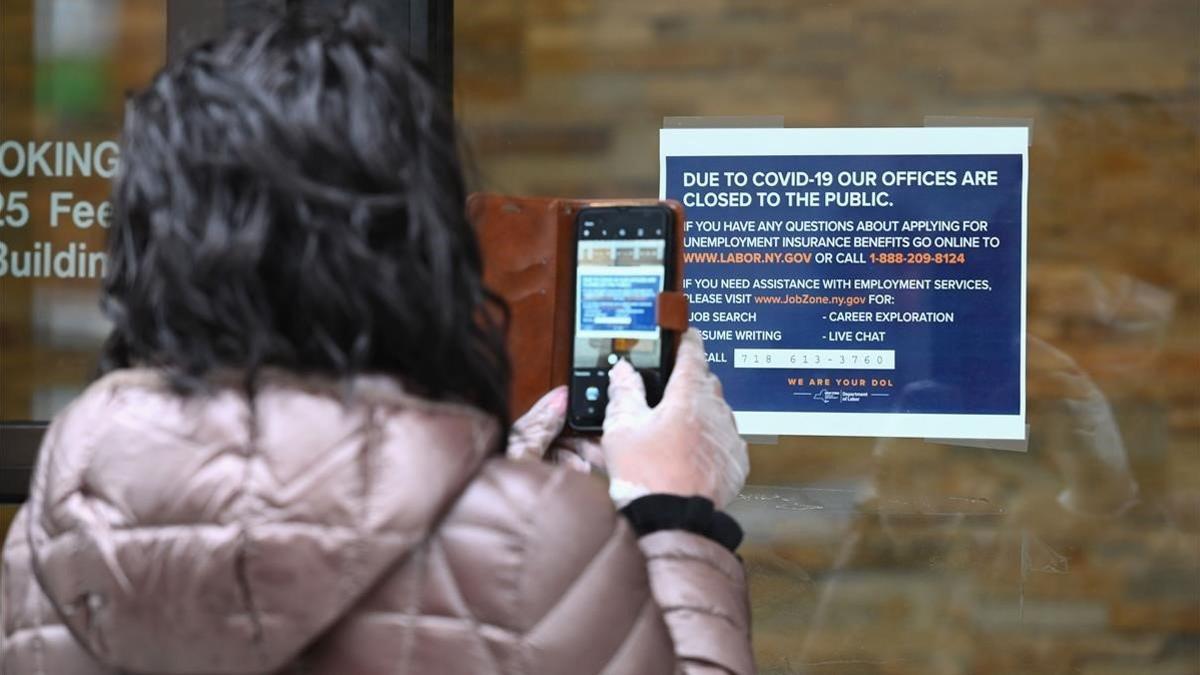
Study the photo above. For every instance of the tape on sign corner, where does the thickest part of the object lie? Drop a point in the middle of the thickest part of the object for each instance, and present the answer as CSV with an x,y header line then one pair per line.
x,y
971,121
760,439
1008,445
724,122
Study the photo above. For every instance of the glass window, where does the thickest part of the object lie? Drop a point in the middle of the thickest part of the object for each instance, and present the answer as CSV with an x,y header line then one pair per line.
x,y
1080,555
67,66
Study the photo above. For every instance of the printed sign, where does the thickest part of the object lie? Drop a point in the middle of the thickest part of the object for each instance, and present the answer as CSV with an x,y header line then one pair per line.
x,y
858,282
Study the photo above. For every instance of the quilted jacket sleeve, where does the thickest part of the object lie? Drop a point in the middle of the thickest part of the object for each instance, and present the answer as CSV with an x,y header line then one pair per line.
x,y
701,589
33,641
680,599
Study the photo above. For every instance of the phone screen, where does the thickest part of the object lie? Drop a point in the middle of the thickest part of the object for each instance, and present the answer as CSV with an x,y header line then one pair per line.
x,y
620,268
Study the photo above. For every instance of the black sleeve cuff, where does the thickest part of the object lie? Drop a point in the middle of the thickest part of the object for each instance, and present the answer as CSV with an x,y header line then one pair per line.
x,y
697,515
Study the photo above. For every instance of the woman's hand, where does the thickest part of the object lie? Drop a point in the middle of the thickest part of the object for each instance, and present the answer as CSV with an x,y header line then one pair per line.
x,y
532,434
687,445
536,436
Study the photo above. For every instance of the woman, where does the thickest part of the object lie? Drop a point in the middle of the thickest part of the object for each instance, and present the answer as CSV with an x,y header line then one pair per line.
x,y
296,461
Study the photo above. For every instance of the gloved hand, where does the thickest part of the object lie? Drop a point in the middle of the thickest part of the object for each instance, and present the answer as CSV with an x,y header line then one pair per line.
x,y
535,436
686,445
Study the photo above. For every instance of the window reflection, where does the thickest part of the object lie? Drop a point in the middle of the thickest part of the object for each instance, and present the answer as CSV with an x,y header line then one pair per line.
x,y
1080,555
68,66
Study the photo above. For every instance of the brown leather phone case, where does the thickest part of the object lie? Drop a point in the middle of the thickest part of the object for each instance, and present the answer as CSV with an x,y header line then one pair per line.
x,y
528,246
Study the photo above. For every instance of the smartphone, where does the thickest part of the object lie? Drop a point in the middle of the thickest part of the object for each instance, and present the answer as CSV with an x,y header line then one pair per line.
x,y
624,257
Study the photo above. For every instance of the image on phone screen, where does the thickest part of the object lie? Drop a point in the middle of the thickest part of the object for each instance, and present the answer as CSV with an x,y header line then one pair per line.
x,y
620,271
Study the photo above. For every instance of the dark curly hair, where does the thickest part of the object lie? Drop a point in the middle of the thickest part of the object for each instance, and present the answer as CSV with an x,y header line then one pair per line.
x,y
292,196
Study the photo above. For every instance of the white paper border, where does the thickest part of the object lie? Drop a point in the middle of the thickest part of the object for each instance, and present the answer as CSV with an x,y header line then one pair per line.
x,y
870,141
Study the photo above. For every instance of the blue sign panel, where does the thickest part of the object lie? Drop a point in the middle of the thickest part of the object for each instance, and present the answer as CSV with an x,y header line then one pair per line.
x,y
858,282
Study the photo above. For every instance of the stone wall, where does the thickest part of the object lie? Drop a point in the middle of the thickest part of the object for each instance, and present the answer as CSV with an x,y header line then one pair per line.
x,y
907,557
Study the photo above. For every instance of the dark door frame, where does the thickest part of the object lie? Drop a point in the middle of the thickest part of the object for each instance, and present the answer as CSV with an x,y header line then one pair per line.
x,y
425,28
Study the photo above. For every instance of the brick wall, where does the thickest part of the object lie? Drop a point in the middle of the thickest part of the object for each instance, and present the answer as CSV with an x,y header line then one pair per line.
x,y
906,557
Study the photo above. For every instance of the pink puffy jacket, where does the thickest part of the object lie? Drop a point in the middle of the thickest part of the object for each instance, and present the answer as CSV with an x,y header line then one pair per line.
x,y
319,528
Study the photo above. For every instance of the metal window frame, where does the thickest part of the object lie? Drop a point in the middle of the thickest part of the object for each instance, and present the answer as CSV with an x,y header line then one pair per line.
x,y
425,28
19,442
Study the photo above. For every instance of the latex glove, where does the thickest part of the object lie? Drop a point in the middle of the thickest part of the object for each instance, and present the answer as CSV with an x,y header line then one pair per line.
x,y
536,436
686,445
